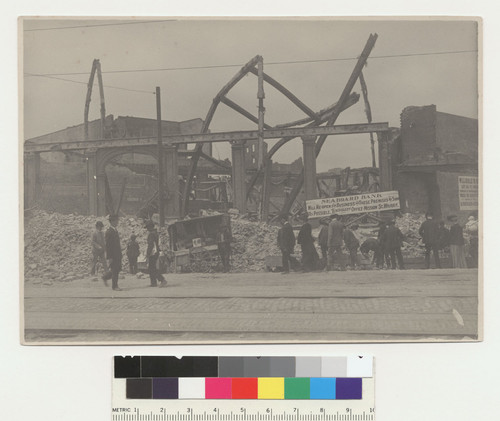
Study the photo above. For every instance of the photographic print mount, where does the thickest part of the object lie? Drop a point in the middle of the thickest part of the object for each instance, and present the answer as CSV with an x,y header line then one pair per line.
x,y
216,224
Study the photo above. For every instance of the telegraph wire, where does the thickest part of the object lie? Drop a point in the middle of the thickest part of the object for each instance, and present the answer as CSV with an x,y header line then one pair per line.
x,y
85,83
266,63
97,25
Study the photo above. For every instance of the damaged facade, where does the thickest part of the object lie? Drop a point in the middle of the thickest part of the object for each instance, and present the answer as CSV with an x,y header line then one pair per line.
x,y
436,157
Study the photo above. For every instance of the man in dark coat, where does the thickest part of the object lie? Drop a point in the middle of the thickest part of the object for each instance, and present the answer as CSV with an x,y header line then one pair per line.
x,y
152,255
352,244
286,243
392,239
323,238
429,231
306,241
383,255
335,240
113,253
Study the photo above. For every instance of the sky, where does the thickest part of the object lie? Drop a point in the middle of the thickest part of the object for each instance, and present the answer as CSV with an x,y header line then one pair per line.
x,y
431,62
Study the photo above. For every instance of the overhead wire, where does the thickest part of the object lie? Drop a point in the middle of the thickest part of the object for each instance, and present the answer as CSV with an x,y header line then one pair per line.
x,y
97,25
56,75
267,63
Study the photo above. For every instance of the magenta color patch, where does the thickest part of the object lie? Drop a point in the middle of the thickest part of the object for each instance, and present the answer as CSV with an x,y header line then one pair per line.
x,y
218,388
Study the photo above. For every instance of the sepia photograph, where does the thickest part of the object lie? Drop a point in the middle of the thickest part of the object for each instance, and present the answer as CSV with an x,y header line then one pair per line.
x,y
250,180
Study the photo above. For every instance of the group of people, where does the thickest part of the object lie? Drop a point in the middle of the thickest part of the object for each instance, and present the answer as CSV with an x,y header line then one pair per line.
x,y
386,247
106,249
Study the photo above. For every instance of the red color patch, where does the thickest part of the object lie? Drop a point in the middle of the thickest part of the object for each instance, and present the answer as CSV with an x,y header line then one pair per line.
x,y
244,388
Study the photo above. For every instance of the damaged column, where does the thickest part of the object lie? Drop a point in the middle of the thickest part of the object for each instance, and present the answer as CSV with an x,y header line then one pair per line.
x,y
172,202
238,175
385,161
309,156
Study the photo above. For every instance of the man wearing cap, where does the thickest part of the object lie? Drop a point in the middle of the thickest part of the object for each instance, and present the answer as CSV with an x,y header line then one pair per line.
x,y
98,248
113,253
429,231
392,240
335,240
152,254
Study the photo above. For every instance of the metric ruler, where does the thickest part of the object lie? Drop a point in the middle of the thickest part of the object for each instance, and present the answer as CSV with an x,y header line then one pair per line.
x,y
153,388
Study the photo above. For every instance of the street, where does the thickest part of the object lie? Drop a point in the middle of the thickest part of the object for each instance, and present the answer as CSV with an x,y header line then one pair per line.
x,y
256,307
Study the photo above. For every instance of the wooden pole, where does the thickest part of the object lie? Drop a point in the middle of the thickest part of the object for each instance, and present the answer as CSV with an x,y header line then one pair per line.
x,y
101,97
160,159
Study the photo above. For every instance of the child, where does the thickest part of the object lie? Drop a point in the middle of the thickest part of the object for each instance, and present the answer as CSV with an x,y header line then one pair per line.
x,y
133,253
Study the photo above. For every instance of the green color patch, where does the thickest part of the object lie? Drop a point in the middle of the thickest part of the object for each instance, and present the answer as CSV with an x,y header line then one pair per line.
x,y
297,387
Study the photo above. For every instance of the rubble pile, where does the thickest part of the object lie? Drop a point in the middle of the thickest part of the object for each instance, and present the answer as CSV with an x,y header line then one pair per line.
x,y
409,224
58,247
253,241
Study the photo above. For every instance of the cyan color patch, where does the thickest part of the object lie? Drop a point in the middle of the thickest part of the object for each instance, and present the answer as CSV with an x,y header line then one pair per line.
x,y
323,388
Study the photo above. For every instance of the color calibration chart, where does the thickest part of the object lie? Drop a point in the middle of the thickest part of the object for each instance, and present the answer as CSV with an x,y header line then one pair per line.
x,y
167,388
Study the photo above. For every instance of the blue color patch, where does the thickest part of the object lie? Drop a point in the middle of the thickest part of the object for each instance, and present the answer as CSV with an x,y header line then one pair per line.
x,y
323,388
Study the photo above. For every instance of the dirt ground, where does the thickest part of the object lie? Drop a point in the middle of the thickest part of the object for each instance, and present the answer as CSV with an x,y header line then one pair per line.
x,y
377,305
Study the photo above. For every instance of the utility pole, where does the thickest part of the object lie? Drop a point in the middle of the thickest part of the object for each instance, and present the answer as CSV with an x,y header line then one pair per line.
x,y
160,159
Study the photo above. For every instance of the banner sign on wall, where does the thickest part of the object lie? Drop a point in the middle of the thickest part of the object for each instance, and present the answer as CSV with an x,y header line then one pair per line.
x,y
360,203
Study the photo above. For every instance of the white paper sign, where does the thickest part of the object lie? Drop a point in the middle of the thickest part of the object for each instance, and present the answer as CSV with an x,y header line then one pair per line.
x,y
360,203
468,193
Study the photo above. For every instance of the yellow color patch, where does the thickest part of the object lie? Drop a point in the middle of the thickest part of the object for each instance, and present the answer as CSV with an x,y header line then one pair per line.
x,y
271,388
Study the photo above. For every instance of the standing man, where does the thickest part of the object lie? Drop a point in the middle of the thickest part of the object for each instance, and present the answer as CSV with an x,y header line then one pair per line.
x,y
286,243
429,231
113,253
323,238
472,228
306,241
335,239
352,244
224,246
392,239
383,255
133,253
152,255
457,244
98,248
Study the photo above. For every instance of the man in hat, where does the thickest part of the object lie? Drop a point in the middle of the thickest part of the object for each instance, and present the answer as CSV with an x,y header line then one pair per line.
x,y
98,249
323,238
392,240
335,240
306,241
152,254
286,243
351,242
429,231
113,253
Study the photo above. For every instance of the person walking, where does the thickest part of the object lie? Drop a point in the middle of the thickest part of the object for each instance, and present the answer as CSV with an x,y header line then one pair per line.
x,y
429,231
335,240
113,253
392,240
152,255
323,238
457,243
286,243
98,249
132,254
306,241
352,244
